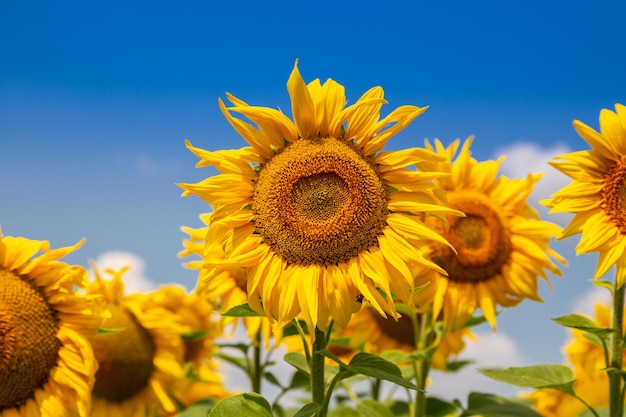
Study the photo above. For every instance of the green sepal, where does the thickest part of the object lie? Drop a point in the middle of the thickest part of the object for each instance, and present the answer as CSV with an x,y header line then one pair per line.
x,y
242,310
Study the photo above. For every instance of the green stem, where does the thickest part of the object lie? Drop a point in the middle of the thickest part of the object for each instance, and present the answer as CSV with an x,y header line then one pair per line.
x,y
317,369
421,366
589,407
256,371
617,349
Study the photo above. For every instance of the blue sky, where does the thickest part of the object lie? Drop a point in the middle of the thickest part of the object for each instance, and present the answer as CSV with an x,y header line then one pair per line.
x,y
96,100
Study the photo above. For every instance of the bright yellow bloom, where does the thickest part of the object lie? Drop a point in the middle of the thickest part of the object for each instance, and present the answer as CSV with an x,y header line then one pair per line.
x,y
588,363
46,363
198,316
317,214
501,245
140,358
597,193
226,290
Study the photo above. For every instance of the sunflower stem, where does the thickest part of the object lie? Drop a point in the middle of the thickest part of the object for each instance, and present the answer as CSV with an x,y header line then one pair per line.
x,y
616,355
317,370
256,371
421,366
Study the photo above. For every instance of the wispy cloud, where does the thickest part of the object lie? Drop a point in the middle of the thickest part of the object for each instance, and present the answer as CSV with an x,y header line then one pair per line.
x,y
135,279
488,351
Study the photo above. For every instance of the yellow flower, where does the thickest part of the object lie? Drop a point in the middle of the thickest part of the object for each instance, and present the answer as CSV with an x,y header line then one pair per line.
x,y
596,194
46,363
225,290
139,358
501,245
317,214
376,334
195,313
587,359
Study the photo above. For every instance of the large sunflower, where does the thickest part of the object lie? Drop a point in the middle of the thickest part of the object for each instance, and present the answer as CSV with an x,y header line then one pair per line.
x,y
46,363
501,245
140,358
318,215
597,193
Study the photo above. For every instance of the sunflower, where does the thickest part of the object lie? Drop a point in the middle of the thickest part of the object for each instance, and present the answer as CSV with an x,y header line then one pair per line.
x,y
587,358
501,246
376,334
195,313
139,358
596,194
46,362
315,212
227,288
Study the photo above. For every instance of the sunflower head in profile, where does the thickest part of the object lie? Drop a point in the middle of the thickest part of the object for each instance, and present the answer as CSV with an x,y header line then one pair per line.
x,y
315,211
46,363
501,246
224,289
139,354
597,194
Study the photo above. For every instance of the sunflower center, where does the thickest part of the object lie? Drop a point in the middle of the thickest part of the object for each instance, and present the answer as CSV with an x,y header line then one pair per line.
x,y
614,195
29,348
319,201
125,358
481,239
400,331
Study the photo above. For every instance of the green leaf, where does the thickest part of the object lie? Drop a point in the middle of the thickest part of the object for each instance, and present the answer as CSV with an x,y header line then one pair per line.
x,y
299,380
272,379
439,408
576,321
604,284
559,377
247,404
454,366
103,330
298,361
291,330
308,410
242,310
488,405
240,363
371,408
343,411
199,409
193,335
379,368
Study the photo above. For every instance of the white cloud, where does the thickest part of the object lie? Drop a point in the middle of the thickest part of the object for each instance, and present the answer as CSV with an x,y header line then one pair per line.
x,y
488,351
523,158
134,278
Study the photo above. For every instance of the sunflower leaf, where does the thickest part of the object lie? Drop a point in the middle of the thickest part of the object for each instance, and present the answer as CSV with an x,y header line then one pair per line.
x,y
488,405
246,404
308,410
242,310
298,361
376,367
193,335
558,377
576,321
199,409
373,408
